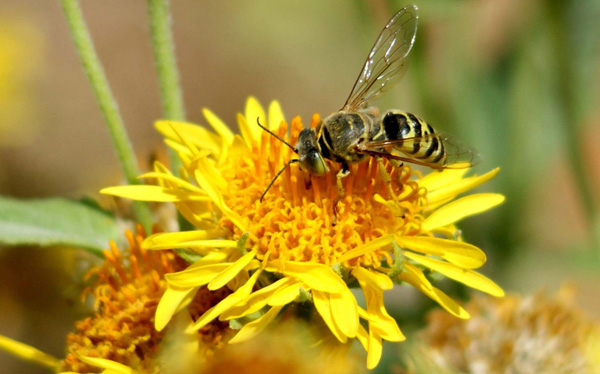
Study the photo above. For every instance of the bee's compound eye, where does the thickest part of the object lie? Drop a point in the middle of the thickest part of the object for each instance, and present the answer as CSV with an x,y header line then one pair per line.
x,y
314,163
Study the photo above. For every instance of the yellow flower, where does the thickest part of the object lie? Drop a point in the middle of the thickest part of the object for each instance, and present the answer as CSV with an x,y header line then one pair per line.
x,y
126,294
128,287
120,336
285,249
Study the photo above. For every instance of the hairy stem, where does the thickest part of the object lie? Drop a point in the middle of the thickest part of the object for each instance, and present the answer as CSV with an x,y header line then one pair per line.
x,y
108,105
166,66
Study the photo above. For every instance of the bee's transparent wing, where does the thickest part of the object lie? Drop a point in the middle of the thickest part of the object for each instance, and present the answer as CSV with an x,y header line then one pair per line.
x,y
459,155
387,61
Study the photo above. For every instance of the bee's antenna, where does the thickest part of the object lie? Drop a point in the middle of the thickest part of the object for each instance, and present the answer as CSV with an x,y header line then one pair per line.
x,y
278,174
278,137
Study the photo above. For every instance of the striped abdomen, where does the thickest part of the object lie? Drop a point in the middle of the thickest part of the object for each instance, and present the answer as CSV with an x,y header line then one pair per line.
x,y
412,136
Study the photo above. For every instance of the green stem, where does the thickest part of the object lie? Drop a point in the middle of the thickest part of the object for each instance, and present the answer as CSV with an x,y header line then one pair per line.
x,y
170,90
166,66
108,105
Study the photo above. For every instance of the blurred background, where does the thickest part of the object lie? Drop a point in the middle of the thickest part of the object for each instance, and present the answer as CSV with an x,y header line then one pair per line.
x,y
517,79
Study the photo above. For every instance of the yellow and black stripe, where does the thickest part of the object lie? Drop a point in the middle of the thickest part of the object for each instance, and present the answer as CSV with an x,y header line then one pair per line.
x,y
421,141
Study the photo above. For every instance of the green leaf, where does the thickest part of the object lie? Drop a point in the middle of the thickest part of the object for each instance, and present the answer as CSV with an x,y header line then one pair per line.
x,y
48,222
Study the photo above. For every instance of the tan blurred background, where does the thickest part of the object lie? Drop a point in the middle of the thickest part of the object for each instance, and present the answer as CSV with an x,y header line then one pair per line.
x,y
487,70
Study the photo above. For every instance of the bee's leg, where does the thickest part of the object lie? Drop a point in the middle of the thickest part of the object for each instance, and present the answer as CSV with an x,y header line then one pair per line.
x,y
396,163
344,172
387,179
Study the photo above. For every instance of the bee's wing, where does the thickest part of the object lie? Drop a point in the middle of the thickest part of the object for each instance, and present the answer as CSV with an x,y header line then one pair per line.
x,y
459,155
387,61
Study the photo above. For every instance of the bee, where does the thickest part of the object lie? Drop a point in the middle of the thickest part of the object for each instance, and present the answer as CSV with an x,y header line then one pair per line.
x,y
358,131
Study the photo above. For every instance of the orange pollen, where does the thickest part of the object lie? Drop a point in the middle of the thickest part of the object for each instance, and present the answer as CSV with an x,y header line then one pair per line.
x,y
128,288
295,221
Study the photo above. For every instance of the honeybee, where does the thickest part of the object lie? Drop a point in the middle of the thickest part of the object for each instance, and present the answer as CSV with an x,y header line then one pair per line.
x,y
358,131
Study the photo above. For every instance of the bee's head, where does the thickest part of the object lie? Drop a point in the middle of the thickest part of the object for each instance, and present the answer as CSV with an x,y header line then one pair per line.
x,y
309,153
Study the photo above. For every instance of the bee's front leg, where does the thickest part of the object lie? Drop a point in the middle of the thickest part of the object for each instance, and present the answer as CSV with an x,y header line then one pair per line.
x,y
387,179
344,172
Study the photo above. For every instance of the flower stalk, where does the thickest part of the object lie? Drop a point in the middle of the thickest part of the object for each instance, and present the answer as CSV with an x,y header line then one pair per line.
x,y
106,101
166,66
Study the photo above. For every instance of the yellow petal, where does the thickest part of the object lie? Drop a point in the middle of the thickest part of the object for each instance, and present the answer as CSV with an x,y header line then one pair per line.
x,y
465,276
459,253
379,319
367,247
275,115
170,303
323,306
160,168
206,166
417,279
285,295
152,193
245,131
196,276
253,328
461,208
238,147
344,310
217,198
187,141
109,365
199,214
211,258
225,304
363,337
170,239
218,125
197,135
315,276
174,182
375,350
256,300
253,111
28,353
459,187
387,328
242,277
181,150
206,176
431,206
436,180
231,271
374,279
216,243
225,148
185,158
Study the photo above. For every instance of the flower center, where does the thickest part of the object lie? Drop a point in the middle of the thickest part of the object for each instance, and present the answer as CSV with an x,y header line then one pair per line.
x,y
295,220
